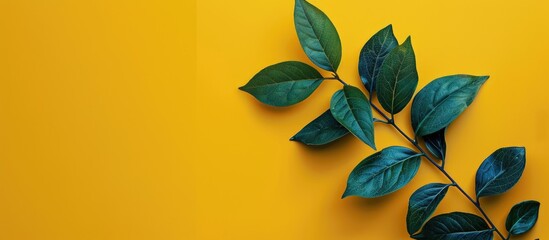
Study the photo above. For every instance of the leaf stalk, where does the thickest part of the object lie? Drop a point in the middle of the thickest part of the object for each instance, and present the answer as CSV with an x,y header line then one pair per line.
x,y
440,168
391,121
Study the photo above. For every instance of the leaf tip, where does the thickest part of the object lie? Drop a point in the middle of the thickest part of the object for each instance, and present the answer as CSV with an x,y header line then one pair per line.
x,y
408,39
293,138
346,193
483,79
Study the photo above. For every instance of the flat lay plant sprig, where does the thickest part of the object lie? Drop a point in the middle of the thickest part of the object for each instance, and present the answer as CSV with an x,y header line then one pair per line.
x,y
388,70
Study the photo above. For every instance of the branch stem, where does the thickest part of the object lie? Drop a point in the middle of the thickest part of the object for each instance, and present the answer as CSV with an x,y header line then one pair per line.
x,y
439,167
391,121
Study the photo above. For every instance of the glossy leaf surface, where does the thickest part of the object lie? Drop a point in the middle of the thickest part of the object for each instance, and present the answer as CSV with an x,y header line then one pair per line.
x,y
322,130
423,203
351,109
522,217
284,84
442,101
397,79
373,54
383,172
500,171
317,35
456,226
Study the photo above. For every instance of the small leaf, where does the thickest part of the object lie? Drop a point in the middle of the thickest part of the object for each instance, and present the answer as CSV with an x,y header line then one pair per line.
x,y
323,130
455,226
351,109
284,84
436,143
500,171
317,35
522,217
397,80
383,172
372,55
423,203
442,101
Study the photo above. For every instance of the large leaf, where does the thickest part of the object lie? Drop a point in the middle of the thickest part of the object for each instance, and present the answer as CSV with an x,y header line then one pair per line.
x,y
383,172
284,84
317,35
500,171
423,203
442,101
436,143
456,226
350,108
397,80
324,129
522,217
372,55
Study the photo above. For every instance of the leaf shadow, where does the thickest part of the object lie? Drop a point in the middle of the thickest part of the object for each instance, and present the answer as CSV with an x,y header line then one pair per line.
x,y
364,204
355,211
333,156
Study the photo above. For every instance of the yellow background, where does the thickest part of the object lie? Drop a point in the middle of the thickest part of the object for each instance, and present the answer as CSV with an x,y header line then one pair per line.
x,y
122,119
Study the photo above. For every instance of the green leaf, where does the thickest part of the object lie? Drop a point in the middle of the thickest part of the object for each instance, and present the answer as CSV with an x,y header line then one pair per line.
x,y
372,55
500,171
323,130
442,101
317,35
456,226
397,80
383,172
351,109
436,143
423,203
522,217
284,84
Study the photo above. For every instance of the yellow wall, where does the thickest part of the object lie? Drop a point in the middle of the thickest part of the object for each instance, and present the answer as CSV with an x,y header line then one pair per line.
x,y
122,119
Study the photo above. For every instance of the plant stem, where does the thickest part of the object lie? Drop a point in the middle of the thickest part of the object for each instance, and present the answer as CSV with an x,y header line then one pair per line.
x,y
439,167
339,79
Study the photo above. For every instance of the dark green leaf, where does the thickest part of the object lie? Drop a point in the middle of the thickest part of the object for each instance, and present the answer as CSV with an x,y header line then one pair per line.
x,y
350,108
317,35
372,55
436,143
284,84
442,101
456,226
397,80
522,217
324,129
500,171
383,172
423,203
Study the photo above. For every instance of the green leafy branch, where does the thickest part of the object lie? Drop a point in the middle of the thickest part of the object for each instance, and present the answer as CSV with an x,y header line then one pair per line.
x,y
388,69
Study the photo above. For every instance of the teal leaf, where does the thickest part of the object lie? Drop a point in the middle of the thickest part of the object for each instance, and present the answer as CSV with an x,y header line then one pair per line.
x,y
372,55
397,80
436,143
383,172
442,101
455,226
351,109
284,84
423,203
500,171
317,35
323,130
522,217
